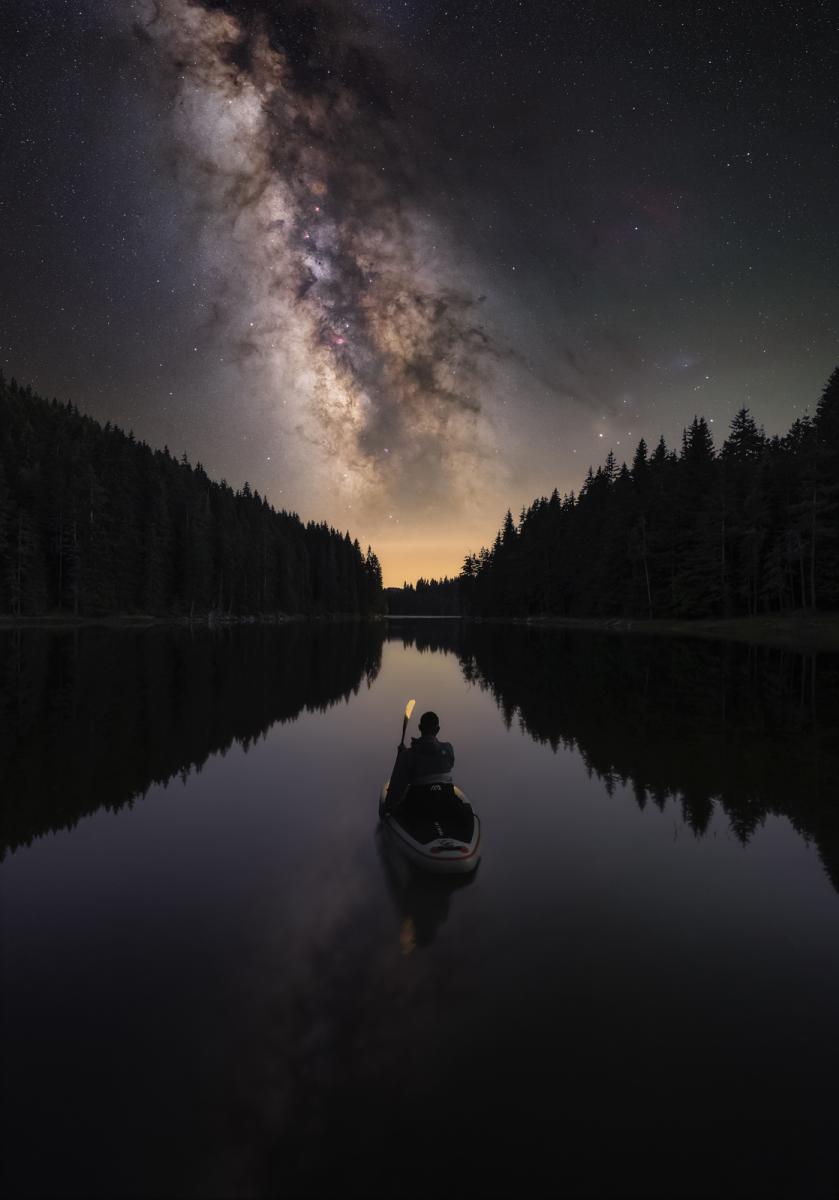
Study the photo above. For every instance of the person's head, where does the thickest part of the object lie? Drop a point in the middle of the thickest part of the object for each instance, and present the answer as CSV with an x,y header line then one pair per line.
x,y
429,724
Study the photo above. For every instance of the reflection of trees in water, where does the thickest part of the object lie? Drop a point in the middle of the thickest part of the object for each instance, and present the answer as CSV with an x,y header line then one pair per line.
x,y
753,728
93,718
442,635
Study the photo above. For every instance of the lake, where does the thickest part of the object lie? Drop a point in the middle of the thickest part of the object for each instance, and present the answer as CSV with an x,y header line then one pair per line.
x,y
218,979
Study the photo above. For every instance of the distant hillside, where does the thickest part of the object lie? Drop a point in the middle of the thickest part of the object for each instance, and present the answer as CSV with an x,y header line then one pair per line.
x,y
93,522
428,597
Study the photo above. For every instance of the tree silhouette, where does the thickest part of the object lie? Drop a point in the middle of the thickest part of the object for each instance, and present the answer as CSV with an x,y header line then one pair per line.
x,y
752,529
93,522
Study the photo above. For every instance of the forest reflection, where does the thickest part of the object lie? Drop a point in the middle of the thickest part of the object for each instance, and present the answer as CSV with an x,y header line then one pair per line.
x,y
92,718
752,729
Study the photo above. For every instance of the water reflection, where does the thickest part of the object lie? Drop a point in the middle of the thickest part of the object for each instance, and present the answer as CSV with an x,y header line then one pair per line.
x,y
93,718
754,730
750,728
421,900
235,990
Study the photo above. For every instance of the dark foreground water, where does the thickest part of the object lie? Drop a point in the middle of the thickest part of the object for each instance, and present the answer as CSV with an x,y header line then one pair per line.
x,y
216,981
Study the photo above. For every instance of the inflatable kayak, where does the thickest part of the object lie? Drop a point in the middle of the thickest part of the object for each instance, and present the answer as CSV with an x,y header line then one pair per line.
x,y
435,828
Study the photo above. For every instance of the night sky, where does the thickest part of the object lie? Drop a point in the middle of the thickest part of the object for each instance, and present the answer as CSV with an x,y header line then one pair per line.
x,y
402,264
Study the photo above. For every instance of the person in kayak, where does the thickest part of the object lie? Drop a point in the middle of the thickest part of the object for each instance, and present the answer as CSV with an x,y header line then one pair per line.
x,y
424,765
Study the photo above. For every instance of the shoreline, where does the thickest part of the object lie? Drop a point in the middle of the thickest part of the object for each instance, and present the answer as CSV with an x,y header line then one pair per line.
x,y
796,631
802,631
146,621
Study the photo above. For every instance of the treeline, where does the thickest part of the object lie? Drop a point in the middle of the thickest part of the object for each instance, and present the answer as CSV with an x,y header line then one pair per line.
x,y
94,522
428,597
695,534
751,529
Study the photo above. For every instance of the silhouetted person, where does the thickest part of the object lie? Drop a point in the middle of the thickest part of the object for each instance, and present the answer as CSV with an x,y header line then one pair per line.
x,y
425,764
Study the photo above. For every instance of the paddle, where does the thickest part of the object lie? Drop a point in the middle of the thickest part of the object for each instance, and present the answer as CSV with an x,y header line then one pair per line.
x,y
409,708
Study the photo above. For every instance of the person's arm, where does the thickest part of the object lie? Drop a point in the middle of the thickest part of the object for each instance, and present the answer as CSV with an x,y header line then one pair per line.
x,y
400,776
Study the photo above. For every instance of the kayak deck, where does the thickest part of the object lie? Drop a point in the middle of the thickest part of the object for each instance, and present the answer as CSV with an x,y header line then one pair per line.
x,y
435,827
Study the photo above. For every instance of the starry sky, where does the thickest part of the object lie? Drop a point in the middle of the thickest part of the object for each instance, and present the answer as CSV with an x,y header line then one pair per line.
x,y
403,264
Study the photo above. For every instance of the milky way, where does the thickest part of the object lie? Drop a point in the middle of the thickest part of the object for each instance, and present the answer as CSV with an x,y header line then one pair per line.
x,y
403,264
337,291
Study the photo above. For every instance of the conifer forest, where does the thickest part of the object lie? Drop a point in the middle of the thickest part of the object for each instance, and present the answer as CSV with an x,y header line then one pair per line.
x,y
753,528
94,522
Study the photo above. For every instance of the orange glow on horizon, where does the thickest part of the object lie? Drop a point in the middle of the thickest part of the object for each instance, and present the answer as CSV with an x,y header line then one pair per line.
x,y
408,558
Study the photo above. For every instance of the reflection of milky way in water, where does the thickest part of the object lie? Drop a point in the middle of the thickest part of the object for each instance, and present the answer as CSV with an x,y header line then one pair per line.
x,y
335,290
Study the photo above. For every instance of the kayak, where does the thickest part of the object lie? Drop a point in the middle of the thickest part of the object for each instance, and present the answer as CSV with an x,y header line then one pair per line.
x,y
438,833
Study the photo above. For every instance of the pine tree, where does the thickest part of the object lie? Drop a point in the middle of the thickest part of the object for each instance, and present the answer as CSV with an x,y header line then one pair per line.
x,y
93,522
742,504
825,495
6,518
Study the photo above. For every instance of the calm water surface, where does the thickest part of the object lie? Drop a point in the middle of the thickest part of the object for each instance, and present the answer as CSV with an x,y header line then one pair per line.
x,y
218,981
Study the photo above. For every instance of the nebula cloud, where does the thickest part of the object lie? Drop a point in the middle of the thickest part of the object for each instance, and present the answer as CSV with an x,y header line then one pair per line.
x,y
337,290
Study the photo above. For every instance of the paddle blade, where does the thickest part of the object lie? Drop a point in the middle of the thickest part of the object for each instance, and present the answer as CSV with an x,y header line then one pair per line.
x,y
409,708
